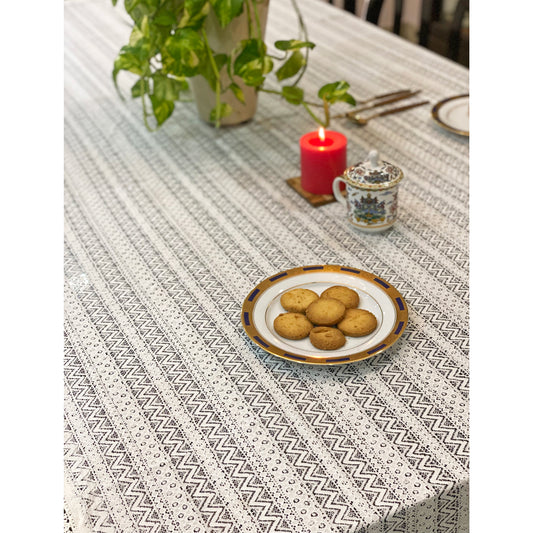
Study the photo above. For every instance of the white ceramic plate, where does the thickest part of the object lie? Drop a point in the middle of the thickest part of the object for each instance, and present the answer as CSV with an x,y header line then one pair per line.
x,y
262,306
453,114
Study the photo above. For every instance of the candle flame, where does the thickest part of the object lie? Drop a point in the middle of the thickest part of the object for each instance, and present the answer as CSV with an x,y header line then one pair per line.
x,y
321,134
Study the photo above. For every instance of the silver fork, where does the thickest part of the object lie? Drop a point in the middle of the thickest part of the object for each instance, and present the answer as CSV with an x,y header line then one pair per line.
x,y
360,121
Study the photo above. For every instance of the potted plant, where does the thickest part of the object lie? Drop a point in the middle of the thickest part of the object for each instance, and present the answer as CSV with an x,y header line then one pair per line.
x,y
175,42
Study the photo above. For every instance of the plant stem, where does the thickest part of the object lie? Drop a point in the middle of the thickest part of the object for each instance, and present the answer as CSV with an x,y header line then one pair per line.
x,y
279,93
326,112
249,18
315,118
259,34
257,21
303,29
217,78
145,112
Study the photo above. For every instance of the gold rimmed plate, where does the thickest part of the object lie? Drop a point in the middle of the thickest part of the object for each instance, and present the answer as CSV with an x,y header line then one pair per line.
x,y
262,306
452,114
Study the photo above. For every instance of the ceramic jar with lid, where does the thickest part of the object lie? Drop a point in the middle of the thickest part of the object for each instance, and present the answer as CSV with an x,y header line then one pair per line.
x,y
371,193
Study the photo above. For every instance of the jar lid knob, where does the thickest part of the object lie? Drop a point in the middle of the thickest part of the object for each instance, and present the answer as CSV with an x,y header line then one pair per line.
x,y
374,158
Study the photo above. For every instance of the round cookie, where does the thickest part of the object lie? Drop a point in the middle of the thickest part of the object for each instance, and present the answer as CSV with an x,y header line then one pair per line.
x,y
358,323
326,338
346,295
297,300
293,326
325,311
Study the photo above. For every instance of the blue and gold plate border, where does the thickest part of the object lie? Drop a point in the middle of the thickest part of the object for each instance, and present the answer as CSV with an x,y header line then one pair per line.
x,y
396,332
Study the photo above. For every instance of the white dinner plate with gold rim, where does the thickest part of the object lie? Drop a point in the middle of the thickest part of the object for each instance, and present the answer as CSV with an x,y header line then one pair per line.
x,y
453,114
262,306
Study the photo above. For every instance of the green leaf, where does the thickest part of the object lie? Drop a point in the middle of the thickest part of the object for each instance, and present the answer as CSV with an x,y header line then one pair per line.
x,y
195,7
148,5
253,77
194,14
268,65
221,60
225,111
138,9
227,10
291,67
293,44
251,63
137,88
162,109
145,26
137,54
250,50
165,17
166,88
134,59
135,36
327,90
187,49
127,61
293,95
237,91
207,71
348,98
336,92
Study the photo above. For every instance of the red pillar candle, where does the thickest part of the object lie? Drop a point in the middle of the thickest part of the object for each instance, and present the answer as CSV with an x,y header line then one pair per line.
x,y
322,159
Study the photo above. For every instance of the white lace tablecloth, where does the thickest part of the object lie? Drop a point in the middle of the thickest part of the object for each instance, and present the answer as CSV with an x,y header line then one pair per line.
x,y
174,420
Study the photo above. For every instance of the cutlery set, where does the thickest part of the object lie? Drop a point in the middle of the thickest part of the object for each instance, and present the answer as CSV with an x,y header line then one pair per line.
x,y
381,100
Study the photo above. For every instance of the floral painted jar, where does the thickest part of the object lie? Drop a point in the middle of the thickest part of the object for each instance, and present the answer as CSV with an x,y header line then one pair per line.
x,y
371,193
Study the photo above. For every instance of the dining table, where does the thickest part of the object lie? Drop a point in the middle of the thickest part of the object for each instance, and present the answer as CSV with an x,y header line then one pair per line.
x,y
175,418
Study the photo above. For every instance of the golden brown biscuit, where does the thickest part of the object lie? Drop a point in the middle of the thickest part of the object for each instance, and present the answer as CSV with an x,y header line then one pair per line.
x,y
293,326
298,300
347,296
358,323
325,338
325,311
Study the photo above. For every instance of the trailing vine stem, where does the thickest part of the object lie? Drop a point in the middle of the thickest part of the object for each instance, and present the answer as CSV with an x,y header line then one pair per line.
x,y
145,112
217,80
303,29
324,123
249,17
326,113
259,32
279,93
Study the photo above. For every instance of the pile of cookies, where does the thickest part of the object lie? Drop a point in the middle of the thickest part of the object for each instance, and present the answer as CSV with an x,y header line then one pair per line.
x,y
327,319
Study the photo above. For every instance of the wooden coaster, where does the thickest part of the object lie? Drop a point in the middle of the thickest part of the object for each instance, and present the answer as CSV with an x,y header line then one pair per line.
x,y
316,200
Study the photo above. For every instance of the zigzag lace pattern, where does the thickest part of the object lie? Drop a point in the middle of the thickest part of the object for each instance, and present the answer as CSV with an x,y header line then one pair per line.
x,y
174,420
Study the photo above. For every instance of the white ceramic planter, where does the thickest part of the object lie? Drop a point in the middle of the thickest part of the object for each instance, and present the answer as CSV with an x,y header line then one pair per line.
x,y
224,40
